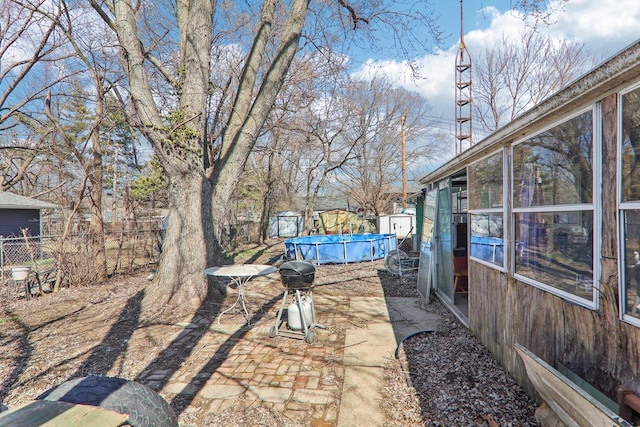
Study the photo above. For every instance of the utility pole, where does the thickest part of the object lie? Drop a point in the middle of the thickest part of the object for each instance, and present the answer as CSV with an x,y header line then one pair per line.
x,y
404,164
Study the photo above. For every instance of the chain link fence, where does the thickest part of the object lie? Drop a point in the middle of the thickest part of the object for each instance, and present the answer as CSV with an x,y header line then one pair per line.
x,y
43,256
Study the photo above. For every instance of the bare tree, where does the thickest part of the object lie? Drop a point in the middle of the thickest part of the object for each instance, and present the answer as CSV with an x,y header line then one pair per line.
x,y
376,108
26,41
27,45
82,142
203,173
321,137
203,123
15,162
538,12
77,112
200,187
275,176
272,164
515,75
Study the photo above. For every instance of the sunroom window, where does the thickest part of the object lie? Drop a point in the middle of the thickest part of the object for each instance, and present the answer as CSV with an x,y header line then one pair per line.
x,y
630,206
486,209
553,209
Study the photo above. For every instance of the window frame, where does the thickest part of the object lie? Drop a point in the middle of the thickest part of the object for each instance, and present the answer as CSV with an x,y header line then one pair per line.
x,y
622,207
594,207
492,211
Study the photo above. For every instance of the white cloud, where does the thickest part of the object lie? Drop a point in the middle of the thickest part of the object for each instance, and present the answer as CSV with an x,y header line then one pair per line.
x,y
605,28
436,75
437,70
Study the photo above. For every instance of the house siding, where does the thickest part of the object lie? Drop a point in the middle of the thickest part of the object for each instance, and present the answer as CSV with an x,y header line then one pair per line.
x,y
594,344
13,220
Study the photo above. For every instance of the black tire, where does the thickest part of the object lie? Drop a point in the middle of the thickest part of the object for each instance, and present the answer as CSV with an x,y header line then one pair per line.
x,y
145,407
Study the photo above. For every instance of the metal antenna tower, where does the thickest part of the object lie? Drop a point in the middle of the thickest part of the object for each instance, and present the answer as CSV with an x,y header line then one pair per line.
x,y
463,93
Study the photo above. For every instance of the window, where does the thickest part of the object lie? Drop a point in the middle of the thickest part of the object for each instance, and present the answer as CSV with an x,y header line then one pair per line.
x,y
553,210
486,208
630,206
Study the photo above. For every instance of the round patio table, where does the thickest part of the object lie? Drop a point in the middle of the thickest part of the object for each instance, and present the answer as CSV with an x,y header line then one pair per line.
x,y
240,274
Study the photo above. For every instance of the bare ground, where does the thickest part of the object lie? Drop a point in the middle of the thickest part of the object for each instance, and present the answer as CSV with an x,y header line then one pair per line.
x,y
439,379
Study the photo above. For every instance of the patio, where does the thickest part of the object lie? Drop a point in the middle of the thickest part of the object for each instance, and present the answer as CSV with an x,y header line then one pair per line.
x,y
336,380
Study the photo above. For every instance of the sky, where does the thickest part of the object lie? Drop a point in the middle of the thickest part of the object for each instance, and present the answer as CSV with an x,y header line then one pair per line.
x,y
604,26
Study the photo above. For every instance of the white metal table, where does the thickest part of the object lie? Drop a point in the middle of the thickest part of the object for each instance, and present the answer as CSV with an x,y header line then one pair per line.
x,y
240,274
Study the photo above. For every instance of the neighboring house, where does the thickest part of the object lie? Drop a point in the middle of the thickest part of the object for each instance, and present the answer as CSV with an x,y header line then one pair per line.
x,y
20,212
552,203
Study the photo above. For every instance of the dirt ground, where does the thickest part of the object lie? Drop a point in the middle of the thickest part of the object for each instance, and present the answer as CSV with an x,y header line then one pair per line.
x,y
96,330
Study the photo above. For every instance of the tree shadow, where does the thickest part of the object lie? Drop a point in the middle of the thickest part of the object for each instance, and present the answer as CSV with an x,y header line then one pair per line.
x,y
20,363
263,250
182,400
25,348
105,355
181,348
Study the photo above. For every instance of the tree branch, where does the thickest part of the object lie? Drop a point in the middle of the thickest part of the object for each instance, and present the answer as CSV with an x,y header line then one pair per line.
x,y
354,15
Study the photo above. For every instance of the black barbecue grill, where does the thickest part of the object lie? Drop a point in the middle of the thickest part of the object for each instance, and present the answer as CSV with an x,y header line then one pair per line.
x,y
297,276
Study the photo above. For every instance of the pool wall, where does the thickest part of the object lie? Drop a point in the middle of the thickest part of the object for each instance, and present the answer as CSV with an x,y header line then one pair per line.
x,y
340,249
488,249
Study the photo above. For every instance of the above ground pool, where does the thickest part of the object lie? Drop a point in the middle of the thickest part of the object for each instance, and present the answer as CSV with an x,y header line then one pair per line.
x,y
337,249
488,249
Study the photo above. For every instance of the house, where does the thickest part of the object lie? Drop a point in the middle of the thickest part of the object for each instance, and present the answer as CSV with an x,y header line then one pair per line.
x,y
20,212
546,212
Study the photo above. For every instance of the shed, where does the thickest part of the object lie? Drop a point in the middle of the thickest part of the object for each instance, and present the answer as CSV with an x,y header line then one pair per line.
x,y
286,224
338,221
402,225
20,212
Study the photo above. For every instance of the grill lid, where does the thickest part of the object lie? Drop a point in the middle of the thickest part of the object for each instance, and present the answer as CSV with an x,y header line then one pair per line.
x,y
297,268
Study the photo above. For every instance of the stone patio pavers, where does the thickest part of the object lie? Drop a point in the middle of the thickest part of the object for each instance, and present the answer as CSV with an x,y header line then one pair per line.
x,y
233,363
335,381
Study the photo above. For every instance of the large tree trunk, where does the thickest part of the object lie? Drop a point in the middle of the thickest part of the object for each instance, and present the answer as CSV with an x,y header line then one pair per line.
x,y
267,200
199,192
96,235
265,217
189,246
